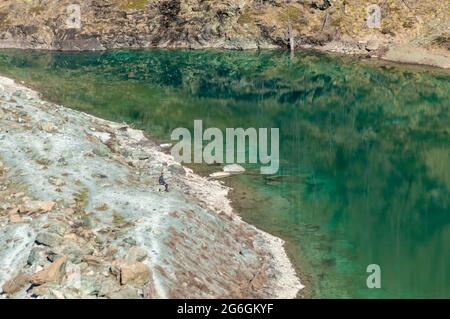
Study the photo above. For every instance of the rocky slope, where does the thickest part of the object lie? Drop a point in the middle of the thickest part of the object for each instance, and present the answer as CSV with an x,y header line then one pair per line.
x,y
81,216
331,25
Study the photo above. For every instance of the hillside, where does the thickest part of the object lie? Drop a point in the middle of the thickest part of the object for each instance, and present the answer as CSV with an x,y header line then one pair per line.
x,y
331,25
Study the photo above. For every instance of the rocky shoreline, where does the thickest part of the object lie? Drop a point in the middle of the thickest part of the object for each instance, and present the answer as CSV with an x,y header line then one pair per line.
x,y
81,215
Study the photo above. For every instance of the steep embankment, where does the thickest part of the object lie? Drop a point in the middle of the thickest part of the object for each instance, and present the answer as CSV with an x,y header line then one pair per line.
x,y
330,25
81,216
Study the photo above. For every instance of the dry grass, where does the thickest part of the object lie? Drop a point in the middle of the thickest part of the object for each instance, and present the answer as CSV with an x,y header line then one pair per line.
x,y
133,4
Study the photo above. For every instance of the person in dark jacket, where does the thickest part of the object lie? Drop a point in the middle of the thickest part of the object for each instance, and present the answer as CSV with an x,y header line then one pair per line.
x,y
162,181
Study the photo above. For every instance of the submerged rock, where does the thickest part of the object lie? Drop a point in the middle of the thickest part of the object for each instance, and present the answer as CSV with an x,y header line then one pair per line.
x,y
233,169
218,175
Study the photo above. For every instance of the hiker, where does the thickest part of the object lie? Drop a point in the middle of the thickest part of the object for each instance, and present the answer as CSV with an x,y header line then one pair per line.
x,y
162,181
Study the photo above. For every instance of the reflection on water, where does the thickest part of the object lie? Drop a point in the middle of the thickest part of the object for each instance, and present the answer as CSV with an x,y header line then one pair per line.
x,y
365,157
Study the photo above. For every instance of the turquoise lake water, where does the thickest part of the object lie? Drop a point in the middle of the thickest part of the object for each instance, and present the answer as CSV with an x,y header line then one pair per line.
x,y
364,149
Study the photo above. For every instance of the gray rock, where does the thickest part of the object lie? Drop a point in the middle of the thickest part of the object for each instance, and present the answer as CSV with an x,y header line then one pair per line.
x,y
20,94
136,254
372,46
48,239
109,286
130,241
91,285
176,169
74,253
233,169
37,256
58,228
53,256
125,293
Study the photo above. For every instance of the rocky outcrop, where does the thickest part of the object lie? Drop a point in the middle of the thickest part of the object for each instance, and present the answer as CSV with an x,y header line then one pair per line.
x,y
80,216
332,25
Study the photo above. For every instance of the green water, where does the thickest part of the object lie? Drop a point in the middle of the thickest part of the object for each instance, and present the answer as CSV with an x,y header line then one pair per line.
x,y
364,149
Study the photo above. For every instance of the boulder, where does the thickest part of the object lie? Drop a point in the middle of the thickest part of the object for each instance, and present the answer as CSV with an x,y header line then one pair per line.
x,y
52,273
48,127
130,272
136,254
17,283
73,273
104,137
57,227
233,169
136,135
48,239
160,188
32,207
218,175
176,169
124,293
37,256
109,286
15,219
166,145
372,45
73,252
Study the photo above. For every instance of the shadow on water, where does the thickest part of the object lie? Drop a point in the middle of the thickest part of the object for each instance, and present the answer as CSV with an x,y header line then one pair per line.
x,y
364,148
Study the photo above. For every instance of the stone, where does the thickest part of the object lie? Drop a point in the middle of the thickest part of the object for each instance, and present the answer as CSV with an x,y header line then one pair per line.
x,y
103,137
56,294
20,94
130,241
160,188
109,286
52,273
15,219
124,293
73,252
47,206
136,135
37,256
233,169
57,182
372,46
136,254
37,206
16,284
130,272
93,260
166,145
53,256
73,276
48,239
71,236
176,169
68,211
42,290
58,228
218,175
48,127
91,283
